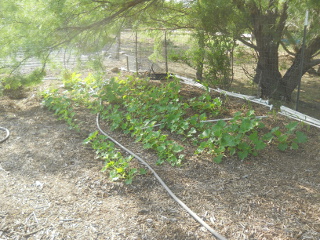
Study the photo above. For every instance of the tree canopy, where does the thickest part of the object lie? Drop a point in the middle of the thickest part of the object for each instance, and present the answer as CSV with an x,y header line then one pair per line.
x,y
38,27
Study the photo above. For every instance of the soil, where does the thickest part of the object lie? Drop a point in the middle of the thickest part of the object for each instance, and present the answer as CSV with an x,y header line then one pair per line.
x,y
51,186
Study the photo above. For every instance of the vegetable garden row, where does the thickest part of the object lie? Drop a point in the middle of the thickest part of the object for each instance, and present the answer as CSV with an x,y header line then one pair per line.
x,y
164,120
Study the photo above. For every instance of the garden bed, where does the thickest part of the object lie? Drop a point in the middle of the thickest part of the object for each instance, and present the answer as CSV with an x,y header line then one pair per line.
x,y
52,188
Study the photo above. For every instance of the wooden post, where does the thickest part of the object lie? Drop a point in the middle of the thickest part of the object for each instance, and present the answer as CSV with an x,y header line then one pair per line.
x,y
136,53
166,50
127,58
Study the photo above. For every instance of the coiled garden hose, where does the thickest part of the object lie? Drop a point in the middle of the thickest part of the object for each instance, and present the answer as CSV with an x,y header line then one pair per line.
x,y
7,134
194,215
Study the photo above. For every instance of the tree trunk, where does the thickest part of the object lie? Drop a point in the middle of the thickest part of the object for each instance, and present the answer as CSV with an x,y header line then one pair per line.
x,y
268,27
267,73
293,75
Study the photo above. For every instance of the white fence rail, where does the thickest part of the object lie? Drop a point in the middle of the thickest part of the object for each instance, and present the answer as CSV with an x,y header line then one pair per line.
x,y
299,116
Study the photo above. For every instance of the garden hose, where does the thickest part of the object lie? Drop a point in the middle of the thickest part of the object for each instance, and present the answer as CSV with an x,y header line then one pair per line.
x,y
194,215
7,136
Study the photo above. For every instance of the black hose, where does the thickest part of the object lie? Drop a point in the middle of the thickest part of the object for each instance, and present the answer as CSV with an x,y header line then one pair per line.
x,y
7,136
194,215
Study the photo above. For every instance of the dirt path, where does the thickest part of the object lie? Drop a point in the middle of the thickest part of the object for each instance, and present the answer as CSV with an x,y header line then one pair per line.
x,y
51,187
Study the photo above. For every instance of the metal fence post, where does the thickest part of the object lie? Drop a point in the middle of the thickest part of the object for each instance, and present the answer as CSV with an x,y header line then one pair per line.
x,y
302,57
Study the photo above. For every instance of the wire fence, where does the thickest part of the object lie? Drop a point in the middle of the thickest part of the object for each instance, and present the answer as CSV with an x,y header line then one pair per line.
x,y
229,64
163,51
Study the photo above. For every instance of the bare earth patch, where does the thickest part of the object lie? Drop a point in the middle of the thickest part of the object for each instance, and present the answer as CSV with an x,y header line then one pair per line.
x,y
51,186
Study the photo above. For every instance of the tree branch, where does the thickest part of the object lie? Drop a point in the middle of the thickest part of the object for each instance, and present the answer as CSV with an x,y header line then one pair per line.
x,y
126,7
286,49
251,45
313,63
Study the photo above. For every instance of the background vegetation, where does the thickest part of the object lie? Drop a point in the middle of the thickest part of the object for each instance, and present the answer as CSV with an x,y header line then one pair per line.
x,y
86,26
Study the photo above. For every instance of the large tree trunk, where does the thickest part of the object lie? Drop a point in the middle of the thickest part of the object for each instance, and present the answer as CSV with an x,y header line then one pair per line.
x,y
293,75
272,84
268,28
267,73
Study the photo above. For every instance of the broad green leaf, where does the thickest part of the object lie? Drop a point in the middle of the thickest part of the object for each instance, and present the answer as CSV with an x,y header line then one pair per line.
x,y
267,137
128,181
147,146
218,159
232,150
294,146
191,132
177,148
205,134
282,146
243,154
301,137
246,125
283,138
259,145
161,148
142,171
292,126
227,140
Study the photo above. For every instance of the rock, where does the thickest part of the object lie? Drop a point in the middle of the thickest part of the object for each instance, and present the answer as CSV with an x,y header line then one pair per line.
x,y
115,70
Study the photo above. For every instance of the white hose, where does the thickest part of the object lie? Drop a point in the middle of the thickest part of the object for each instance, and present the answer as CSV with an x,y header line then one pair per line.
x,y
194,215
7,136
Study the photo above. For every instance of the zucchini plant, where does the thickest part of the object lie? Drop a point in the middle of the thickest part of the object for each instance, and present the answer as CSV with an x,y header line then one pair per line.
x,y
159,117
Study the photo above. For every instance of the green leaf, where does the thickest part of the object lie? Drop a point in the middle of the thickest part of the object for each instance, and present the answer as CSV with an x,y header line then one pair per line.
x,y
218,128
161,148
191,132
292,126
274,129
301,137
246,125
254,136
114,176
128,180
232,150
259,145
201,147
237,115
90,137
147,146
267,137
177,148
227,140
244,146
132,171
243,154
294,146
282,146
120,170
205,134
203,117
142,171
218,158
283,138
